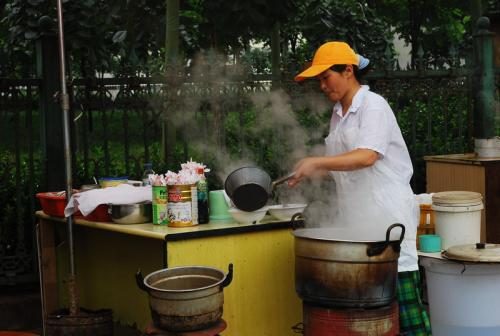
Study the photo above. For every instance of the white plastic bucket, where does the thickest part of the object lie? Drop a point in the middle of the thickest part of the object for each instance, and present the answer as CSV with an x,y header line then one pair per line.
x,y
457,216
464,298
487,148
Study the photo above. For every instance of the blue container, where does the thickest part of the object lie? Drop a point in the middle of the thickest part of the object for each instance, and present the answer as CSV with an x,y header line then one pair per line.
x,y
429,243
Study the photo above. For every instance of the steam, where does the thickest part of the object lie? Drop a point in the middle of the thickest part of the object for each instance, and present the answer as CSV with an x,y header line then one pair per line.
x,y
200,105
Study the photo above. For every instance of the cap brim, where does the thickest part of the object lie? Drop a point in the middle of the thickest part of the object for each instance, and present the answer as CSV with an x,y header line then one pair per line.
x,y
312,71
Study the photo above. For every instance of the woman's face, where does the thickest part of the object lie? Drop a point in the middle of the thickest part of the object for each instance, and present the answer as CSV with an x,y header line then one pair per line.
x,y
334,84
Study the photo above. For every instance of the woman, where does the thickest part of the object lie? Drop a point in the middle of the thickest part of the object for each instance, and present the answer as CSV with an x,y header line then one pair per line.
x,y
367,157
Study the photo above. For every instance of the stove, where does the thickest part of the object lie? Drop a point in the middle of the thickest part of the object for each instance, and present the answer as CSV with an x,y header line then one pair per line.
x,y
214,330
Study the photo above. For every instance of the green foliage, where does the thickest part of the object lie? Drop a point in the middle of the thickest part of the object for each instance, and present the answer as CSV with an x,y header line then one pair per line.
x,y
326,20
100,35
436,26
433,125
128,37
19,183
258,61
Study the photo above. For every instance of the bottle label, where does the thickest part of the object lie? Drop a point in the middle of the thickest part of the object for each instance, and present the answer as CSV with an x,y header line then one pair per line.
x,y
202,186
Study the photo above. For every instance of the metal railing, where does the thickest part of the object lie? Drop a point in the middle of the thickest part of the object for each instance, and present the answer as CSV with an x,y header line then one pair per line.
x,y
118,126
120,123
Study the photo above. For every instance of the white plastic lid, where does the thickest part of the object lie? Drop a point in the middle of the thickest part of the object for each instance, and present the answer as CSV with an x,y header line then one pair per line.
x,y
457,198
480,252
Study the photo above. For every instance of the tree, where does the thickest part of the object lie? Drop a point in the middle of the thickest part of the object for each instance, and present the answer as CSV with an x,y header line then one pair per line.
x,y
128,37
431,25
106,35
351,21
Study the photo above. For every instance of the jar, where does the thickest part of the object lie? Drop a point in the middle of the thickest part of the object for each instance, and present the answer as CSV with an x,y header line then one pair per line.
x,y
182,207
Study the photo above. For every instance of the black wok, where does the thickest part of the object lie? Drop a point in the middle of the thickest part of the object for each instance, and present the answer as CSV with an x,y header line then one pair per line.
x,y
250,187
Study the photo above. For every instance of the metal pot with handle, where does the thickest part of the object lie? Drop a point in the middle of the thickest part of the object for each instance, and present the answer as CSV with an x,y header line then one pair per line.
x,y
250,187
337,267
185,298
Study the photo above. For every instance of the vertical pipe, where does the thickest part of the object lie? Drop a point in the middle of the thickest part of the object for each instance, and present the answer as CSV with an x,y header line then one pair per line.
x,y
275,55
73,305
172,32
40,274
484,104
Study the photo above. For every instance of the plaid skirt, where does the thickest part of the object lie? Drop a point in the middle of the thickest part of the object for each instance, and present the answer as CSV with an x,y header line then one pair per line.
x,y
413,317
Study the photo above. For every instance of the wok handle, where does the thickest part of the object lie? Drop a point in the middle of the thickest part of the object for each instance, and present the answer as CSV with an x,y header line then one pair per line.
x,y
378,248
297,221
139,279
282,180
229,277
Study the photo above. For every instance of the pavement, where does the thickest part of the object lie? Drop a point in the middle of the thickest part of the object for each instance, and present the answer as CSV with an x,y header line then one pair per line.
x,y
21,310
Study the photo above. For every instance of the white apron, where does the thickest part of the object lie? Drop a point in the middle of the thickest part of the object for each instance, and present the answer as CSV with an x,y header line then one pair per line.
x,y
371,199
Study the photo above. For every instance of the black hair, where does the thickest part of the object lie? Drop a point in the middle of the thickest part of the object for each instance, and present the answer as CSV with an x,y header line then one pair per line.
x,y
358,74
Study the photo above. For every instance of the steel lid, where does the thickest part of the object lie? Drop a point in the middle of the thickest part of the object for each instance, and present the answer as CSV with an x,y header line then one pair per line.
x,y
480,252
457,198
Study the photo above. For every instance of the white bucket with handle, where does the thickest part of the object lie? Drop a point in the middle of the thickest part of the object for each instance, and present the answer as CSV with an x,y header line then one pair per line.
x,y
457,217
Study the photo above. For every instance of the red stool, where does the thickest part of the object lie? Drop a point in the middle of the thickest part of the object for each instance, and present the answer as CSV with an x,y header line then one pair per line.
x,y
151,330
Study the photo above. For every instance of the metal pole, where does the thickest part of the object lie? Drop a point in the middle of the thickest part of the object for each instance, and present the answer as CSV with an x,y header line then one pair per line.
x,y
484,109
73,305
40,274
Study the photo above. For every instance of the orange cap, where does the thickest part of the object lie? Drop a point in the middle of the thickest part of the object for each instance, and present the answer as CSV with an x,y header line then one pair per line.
x,y
330,53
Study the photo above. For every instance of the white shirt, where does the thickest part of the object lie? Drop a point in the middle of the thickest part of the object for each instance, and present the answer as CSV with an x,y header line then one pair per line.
x,y
371,118
375,197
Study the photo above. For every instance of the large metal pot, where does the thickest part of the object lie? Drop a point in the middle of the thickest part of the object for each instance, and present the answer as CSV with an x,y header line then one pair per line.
x,y
336,267
185,298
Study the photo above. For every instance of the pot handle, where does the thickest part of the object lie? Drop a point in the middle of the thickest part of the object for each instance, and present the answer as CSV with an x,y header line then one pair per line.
x,y
229,277
378,248
139,279
389,229
297,221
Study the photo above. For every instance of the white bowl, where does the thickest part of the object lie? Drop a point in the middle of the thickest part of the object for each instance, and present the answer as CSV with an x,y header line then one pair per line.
x,y
245,217
286,211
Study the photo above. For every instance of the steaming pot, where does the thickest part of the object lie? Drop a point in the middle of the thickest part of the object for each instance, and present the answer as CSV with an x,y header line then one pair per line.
x,y
337,267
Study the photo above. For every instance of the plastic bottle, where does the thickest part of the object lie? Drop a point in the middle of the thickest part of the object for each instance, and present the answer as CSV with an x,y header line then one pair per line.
x,y
148,170
202,187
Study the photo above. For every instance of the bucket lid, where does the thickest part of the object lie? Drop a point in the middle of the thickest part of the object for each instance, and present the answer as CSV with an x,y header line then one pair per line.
x,y
457,198
480,252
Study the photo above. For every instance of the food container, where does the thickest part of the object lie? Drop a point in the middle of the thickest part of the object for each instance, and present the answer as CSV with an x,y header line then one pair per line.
x,y
458,217
340,267
182,205
159,199
105,182
286,211
185,298
87,187
100,214
131,213
248,217
464,290
53,203
429,243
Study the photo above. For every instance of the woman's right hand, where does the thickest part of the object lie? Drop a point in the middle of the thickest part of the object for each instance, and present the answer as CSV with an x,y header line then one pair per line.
x,y
307,167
